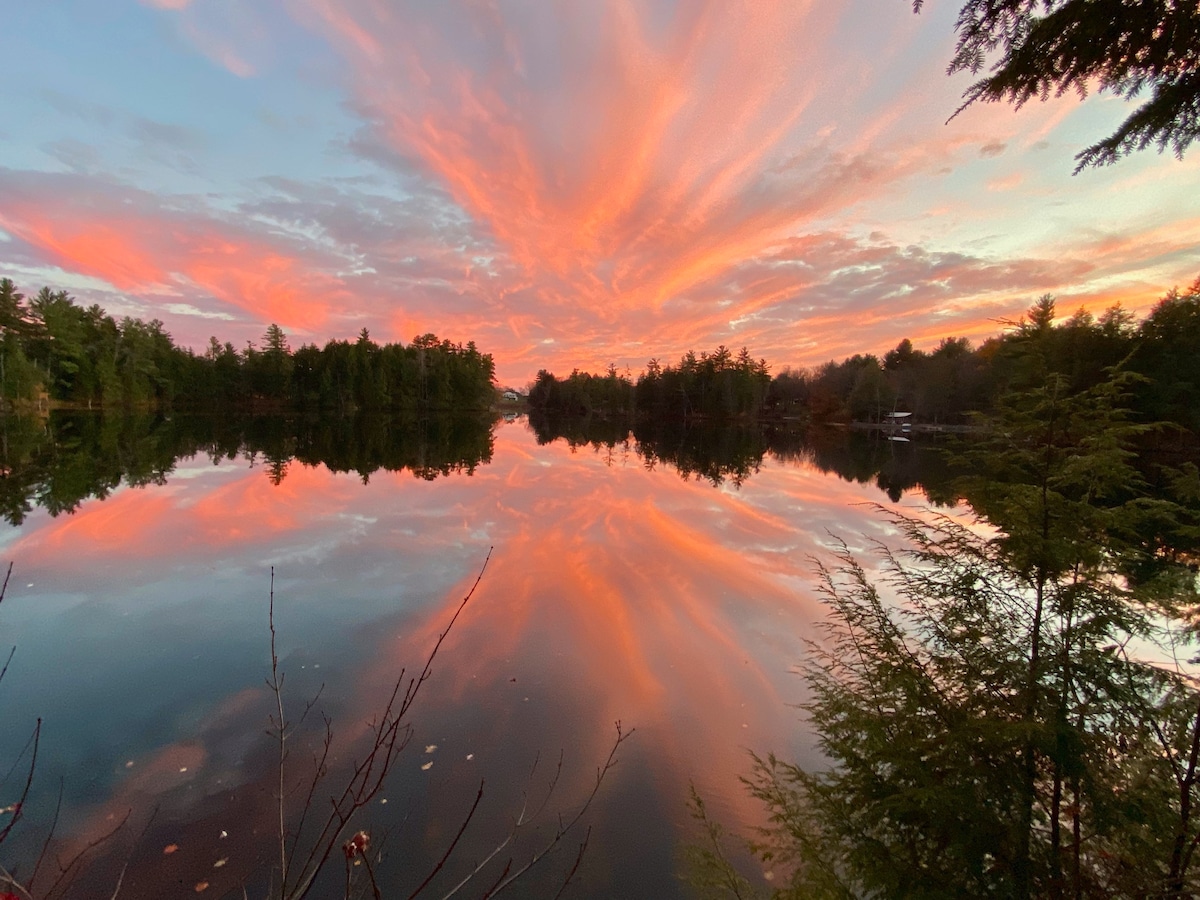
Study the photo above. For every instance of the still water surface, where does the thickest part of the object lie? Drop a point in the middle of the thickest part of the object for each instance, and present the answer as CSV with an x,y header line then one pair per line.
x,y
617,590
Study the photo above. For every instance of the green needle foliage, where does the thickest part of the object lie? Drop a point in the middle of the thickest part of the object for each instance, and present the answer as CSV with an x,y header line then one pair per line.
x,y
1130,48
997,709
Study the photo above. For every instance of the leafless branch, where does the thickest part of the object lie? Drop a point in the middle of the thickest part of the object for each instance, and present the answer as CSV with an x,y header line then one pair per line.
x,y
276,683
371,875
583,845
37,866
65,870
9,882
509,874
454,843
320,769
11,652
391,735
18,808
120,881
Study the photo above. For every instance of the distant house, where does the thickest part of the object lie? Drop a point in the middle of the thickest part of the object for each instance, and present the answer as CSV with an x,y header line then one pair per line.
x,y
511,395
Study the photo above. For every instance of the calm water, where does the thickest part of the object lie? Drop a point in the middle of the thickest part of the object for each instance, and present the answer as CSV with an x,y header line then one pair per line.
x,y
617,590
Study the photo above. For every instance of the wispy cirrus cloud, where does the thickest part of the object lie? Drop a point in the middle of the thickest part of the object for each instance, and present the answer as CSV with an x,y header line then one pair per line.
x,y
139,244
224,31
606,182
618,160
641,169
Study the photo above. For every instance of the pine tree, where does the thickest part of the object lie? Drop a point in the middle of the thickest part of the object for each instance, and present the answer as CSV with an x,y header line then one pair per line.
x,y
1129,48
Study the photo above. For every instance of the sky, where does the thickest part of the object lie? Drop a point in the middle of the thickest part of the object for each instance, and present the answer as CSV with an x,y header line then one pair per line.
x,y
568,184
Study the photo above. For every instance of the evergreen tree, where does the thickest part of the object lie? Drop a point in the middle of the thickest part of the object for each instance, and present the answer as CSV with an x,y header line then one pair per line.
x,y
1130,48
986,731
1168,354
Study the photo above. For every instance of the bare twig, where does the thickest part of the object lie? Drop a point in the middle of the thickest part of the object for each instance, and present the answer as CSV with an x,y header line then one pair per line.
x,y
276,684
320,769
391,736
120,881
91,845
583,845
18,808
449,850
6,662
371,875
10,882
141,835
37,866
509,874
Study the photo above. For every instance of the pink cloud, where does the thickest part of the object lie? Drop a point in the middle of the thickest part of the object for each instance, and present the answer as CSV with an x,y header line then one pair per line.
x,y
608,182
638,175
144,249
223,34
643,171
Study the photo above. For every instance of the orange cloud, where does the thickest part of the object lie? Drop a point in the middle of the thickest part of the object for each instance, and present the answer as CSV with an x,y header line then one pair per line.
x,y
608,182
152,253
632,163
635,180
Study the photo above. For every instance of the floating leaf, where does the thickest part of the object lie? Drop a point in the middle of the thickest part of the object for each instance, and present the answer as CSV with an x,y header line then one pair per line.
x,y
357,845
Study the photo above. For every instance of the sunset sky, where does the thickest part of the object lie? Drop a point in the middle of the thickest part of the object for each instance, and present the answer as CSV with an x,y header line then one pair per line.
x,y
565,183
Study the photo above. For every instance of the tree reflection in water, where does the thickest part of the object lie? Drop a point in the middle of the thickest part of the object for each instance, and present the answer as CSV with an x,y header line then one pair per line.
x,y
991,719
1003,716
58,463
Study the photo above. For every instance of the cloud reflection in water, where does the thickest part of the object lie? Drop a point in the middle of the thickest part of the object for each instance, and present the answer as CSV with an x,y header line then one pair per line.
x,y
615,592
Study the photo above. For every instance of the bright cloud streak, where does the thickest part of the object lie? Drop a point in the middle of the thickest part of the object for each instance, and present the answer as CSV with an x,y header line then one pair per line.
x,y
581,184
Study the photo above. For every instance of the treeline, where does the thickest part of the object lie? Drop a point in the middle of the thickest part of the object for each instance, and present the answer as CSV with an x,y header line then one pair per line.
x,y
70,458
52,349
943,386
955,380
717,384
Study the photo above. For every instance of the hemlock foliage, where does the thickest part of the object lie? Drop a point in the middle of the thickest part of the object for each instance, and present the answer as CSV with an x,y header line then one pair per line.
x,y
1001,715
1130,48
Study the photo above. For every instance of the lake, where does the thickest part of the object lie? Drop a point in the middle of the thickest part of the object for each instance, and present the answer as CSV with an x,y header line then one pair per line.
x,y
663,580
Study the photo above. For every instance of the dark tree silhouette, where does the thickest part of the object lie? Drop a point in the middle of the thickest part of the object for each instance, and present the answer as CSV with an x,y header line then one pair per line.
x,y
1041,48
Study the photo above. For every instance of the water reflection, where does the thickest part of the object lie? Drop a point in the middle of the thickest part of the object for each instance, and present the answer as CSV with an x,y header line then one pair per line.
x,y
720,452
618,590
58,463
